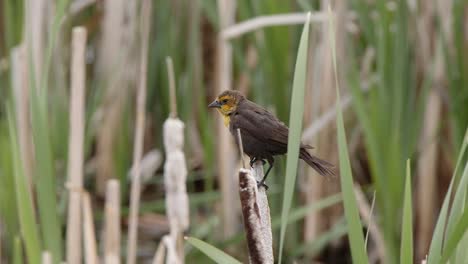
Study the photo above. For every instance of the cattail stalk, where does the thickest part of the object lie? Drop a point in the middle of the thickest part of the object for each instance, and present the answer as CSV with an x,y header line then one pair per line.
x,y
256,214
112,226
159,254
226,11
428,160
139,133
76,142
89,236
175,176
21,95
118,67
34,33
46,257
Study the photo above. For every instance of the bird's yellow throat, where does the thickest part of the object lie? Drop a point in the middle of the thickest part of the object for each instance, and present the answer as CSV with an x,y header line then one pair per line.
x,y
226,120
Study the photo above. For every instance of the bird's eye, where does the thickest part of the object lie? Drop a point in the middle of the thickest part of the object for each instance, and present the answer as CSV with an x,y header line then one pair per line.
x,y
225,101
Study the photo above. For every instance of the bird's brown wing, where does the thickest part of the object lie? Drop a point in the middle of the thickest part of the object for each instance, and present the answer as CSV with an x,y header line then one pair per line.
x,y
260,123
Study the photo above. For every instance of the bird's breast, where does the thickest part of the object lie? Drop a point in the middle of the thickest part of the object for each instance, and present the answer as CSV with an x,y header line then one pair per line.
x,y
226,120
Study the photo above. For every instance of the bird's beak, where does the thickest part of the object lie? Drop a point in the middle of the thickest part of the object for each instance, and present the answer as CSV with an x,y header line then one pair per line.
x,y
214,104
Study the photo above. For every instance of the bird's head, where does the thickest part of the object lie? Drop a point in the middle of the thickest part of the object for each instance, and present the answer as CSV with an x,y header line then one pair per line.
x,y
227,102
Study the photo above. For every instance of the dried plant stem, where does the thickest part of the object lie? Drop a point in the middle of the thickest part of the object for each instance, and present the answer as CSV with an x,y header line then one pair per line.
x,y
241,147
159,254
427,164
268,21
46,258
256,214
89,237
112,226
366,214
76,142
21,95
118,67
226,11
34,34
172,86
175,176
139,133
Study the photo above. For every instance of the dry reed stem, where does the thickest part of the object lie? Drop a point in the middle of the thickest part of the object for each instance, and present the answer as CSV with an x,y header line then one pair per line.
x,y
366,214
21,95
145,14
268,21
256,215
150,162
89,236
112,226
428,160
172,86
76,142
241,147
117,65
46,257
34,35
159,254
328,116
175,176
226,161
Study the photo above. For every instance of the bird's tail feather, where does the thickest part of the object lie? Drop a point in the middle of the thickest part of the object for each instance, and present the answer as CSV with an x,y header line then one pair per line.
x,y
322,167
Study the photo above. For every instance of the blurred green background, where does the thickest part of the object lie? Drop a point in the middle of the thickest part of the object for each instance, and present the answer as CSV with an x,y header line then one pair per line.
x,y
403,73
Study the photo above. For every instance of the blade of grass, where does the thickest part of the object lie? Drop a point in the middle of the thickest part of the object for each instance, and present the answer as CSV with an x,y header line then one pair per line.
x,y
17,251
356,238
295,125
26,215
457,229
435,250
406,251
215,254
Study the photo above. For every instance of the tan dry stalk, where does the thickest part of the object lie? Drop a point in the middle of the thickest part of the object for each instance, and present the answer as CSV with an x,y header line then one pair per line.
x,y
428,160
34,33
159,254
366,215
112,226
172,86
175,176
150,162
145,14
21,95
226,11
76,142
268,21
46,257
256,215
89,236
117,64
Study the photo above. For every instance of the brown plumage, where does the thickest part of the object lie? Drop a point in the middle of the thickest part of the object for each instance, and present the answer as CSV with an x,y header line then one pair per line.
x,y
263,135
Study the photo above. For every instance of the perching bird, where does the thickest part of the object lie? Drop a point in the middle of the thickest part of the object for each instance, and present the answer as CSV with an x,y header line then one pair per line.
x,y
263,135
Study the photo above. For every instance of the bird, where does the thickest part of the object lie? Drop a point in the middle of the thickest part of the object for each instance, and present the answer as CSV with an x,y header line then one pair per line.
x,y
263,134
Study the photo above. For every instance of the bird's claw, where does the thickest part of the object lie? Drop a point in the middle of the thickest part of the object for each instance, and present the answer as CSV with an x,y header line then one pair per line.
x,y
262,184
253,160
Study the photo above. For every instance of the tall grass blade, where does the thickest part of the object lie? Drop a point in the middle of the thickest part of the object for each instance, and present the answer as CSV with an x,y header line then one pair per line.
x,y
458,220
435,250
406,251
26,215
356,238
17,251
215,254
295,126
